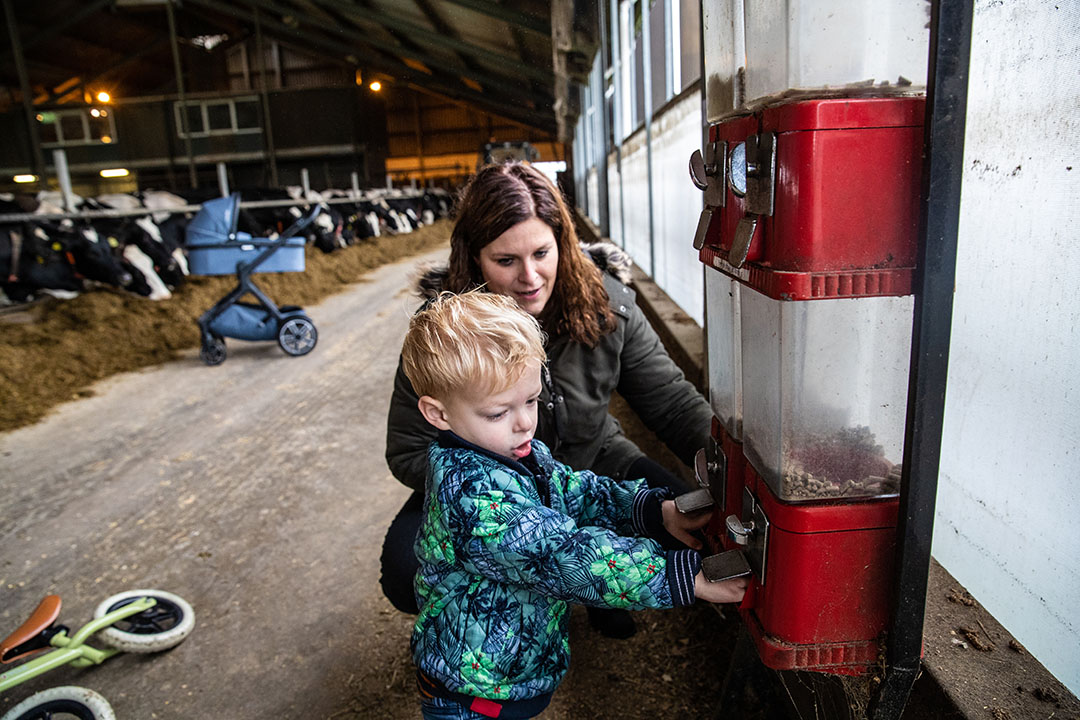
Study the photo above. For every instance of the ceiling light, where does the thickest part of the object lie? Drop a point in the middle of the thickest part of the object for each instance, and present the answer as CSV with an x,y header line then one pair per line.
x,y
375,86
114,173
25,178
104,97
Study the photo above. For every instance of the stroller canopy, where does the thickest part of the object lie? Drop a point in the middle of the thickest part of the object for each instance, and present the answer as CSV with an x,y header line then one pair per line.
x,y
215,221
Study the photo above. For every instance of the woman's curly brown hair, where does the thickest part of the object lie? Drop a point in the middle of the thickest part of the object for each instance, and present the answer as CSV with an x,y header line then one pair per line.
x,y
496,199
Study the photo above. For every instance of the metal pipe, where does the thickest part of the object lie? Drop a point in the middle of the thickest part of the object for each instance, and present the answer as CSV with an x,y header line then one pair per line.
x,y
264,93
223,179
27,98
64,178
600,155
616,38
646,62
180,92
946,110
355,183
141,212
419,135
305,181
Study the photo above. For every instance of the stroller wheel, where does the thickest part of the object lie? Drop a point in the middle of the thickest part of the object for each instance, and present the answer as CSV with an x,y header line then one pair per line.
x,y
212,352
297,335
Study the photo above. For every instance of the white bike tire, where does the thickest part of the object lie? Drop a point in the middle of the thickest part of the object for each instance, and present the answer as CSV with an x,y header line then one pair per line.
x,y
152,642
58,698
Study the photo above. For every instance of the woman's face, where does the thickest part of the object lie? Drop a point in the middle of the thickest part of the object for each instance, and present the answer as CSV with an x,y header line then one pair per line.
x,y
522,263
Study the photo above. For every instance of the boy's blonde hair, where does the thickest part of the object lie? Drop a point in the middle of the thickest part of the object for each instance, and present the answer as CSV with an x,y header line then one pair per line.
x,y
474,339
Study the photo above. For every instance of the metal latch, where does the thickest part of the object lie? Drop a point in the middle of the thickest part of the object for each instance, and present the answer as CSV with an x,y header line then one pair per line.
x,y
724,566
750,530
707,172
752,173
703,497
702,469
694,501
702,227
738,530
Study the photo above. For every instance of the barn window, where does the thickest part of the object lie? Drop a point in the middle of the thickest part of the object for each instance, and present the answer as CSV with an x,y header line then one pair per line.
x,y
82,126
202,118
247,114
219,116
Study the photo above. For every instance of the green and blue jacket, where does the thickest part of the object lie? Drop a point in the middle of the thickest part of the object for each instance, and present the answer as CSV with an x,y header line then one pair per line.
x,y
506,545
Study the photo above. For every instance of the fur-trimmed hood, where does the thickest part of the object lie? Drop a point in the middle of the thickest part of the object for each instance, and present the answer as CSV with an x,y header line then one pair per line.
x,y
610,258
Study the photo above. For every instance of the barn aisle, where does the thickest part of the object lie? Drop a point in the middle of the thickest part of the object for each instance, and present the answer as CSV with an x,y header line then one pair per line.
x,y
257,490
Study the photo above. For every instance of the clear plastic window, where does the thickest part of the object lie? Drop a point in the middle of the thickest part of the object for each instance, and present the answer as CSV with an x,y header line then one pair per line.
x,y
724,351
825,394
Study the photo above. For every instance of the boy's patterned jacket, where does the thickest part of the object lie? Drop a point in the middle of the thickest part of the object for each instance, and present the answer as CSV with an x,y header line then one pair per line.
x,y
505,545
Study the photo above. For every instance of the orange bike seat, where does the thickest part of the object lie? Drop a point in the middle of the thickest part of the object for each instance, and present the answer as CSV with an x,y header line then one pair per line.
x,y
45,615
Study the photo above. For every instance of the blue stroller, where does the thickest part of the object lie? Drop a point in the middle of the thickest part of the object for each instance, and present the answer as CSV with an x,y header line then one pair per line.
x,y
216,248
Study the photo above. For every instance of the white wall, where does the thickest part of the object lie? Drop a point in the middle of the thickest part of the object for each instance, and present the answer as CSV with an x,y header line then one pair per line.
x,y
614,199
1008,508
635,191
677,205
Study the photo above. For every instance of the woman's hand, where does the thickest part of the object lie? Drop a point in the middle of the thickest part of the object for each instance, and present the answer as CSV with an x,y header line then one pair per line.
x,y
679,526
727,591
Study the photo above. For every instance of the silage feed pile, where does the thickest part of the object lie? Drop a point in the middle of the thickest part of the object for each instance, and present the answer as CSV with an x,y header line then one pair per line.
x,y
54,350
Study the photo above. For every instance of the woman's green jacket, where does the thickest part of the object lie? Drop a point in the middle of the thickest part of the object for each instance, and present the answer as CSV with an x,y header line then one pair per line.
x,y
574,418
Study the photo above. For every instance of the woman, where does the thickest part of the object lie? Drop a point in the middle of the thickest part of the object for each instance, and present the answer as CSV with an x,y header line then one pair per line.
x,y
514,235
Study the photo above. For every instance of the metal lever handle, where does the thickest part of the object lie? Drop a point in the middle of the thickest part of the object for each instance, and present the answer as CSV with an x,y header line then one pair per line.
x,y
744,235
737,530
698,173
694,501
702,468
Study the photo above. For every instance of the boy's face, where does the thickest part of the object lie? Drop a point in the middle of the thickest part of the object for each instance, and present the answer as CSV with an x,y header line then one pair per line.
x,y
502,422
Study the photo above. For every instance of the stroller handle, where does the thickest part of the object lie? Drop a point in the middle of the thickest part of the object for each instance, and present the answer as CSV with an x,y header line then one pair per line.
x,y
300,224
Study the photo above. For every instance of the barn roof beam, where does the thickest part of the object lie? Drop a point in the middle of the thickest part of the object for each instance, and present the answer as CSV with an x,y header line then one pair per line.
x,y
539,25
444,28
53,30
153,45
337,51
512,64
495,82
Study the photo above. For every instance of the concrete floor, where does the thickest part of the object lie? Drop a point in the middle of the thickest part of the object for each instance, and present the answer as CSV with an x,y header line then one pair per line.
x,y
256,490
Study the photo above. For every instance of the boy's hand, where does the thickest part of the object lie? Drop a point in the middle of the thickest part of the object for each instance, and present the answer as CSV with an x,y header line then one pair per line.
x,y
728,591
680,526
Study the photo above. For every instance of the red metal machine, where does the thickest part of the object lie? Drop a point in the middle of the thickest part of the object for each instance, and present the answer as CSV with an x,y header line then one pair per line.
x,y
810,232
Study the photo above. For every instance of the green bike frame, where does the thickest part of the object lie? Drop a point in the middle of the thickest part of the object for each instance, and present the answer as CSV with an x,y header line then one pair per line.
x,y
74,650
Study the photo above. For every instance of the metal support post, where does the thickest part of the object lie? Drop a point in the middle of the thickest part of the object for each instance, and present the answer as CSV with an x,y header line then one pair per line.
x,y
264,93
64,178
646,50
192,176
27,97
419,136
223,179
943,166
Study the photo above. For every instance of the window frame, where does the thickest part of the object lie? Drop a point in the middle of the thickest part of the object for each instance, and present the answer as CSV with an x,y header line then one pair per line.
x,y
203,105
83,113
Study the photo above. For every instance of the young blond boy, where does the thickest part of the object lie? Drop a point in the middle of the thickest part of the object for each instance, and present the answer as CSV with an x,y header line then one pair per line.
x,y
510,535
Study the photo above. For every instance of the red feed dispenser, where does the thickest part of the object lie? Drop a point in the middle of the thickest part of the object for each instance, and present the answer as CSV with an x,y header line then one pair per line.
x,y
810,231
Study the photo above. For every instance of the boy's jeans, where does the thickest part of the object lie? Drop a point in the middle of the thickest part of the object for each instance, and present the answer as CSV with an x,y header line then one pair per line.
x,y
438,708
